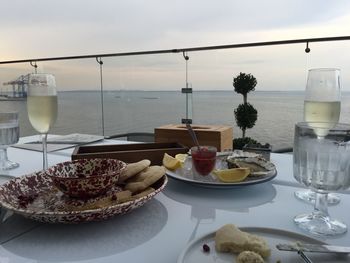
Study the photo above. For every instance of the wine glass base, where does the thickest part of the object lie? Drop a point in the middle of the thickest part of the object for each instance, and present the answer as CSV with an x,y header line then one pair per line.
x,y
321,225
8,165
310,196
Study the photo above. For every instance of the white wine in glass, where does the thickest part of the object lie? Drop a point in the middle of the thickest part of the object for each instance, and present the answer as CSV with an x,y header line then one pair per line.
x,y
42,111
42,106
322,99
322,111
322,108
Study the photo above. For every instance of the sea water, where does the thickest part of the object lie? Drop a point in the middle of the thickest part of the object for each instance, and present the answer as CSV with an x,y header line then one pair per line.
x,y
134,111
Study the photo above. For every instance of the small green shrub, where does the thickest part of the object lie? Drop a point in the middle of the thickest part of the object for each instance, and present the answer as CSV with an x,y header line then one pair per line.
x,y
238,143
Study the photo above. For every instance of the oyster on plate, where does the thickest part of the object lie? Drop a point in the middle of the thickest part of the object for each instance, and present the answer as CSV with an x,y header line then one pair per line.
x,y
258,165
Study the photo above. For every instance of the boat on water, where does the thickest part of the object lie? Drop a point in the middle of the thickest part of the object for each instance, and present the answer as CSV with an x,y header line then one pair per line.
x,y
150,98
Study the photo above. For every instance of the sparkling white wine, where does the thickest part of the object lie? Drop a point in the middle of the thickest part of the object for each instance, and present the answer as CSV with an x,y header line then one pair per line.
x,y
42,112
321,111
324,114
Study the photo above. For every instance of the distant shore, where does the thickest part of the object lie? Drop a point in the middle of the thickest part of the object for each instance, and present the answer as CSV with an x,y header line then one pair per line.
x,y
7,98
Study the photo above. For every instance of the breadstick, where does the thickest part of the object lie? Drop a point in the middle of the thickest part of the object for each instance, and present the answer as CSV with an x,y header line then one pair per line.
x,y
133,169
145,179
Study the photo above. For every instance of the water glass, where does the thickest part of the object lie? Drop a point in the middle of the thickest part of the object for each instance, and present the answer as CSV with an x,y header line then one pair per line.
x,y
203,159
323,165
9,135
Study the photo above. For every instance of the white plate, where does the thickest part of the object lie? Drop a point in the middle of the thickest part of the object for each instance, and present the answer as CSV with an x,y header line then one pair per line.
x,y
188,175
193,253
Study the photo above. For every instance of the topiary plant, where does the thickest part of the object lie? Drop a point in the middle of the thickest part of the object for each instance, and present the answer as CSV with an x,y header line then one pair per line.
x,y
245,114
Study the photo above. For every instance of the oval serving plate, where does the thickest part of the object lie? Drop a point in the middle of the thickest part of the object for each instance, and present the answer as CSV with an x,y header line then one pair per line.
x,y
34,196
193,252
187,175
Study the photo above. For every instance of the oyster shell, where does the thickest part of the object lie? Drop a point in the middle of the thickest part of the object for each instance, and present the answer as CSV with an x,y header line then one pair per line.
x,y
242,154
255,162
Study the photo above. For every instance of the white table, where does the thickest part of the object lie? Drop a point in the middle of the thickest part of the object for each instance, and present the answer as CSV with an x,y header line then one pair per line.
x,y
160,230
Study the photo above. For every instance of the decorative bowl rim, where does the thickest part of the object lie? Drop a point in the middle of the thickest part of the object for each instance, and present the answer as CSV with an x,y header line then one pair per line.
x,y
49,171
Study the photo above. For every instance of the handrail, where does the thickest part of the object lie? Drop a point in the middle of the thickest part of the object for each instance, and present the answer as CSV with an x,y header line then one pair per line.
x,y
283,150
134,136
203,48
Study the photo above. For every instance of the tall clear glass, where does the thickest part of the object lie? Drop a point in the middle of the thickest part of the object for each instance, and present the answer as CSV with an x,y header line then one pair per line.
x,y
42,106
321,105
9,135
323,165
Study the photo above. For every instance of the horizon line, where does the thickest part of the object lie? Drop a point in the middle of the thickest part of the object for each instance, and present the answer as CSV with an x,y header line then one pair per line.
x,y
179,90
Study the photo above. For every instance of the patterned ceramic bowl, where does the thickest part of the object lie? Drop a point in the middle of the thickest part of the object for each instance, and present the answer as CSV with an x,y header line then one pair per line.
x,y
85,178
34,196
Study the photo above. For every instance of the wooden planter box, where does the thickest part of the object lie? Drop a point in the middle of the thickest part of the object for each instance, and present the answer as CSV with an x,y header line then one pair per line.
x,y
219,136
130,153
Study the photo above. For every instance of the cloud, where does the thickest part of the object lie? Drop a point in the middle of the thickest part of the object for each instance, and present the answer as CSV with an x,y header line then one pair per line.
x,y
39,28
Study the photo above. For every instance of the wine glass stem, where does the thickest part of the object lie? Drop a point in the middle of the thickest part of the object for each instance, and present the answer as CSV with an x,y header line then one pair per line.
x,y
3,157
321,204
44,141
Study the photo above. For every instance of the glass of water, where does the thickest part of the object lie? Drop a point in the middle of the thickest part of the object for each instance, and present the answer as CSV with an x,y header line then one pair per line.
x,y
9,135
321,105
323,165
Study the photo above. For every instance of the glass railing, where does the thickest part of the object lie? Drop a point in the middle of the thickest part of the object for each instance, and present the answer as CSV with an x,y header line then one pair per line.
x,y
143,90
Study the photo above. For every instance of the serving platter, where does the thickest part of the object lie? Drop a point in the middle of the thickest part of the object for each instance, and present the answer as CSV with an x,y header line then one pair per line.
x,y
193,252
187,174
34,196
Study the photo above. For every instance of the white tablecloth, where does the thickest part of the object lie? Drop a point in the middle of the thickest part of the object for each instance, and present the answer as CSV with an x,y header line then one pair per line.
x,y
161,229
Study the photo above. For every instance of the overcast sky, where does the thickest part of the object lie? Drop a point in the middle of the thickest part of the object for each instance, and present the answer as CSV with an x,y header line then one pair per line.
x,y
44,28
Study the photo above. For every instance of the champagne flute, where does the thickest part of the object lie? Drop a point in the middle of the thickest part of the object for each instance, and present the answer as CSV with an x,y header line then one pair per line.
x,y
9,134
324,166
321,106
42,106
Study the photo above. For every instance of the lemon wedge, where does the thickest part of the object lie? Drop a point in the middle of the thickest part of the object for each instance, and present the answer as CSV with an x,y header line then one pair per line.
x,y
170,162
232,175
181,157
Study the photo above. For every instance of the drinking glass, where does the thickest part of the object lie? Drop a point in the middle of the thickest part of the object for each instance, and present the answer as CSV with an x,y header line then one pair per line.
x,y
321,105
9,134
42,106
323,165
203,159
